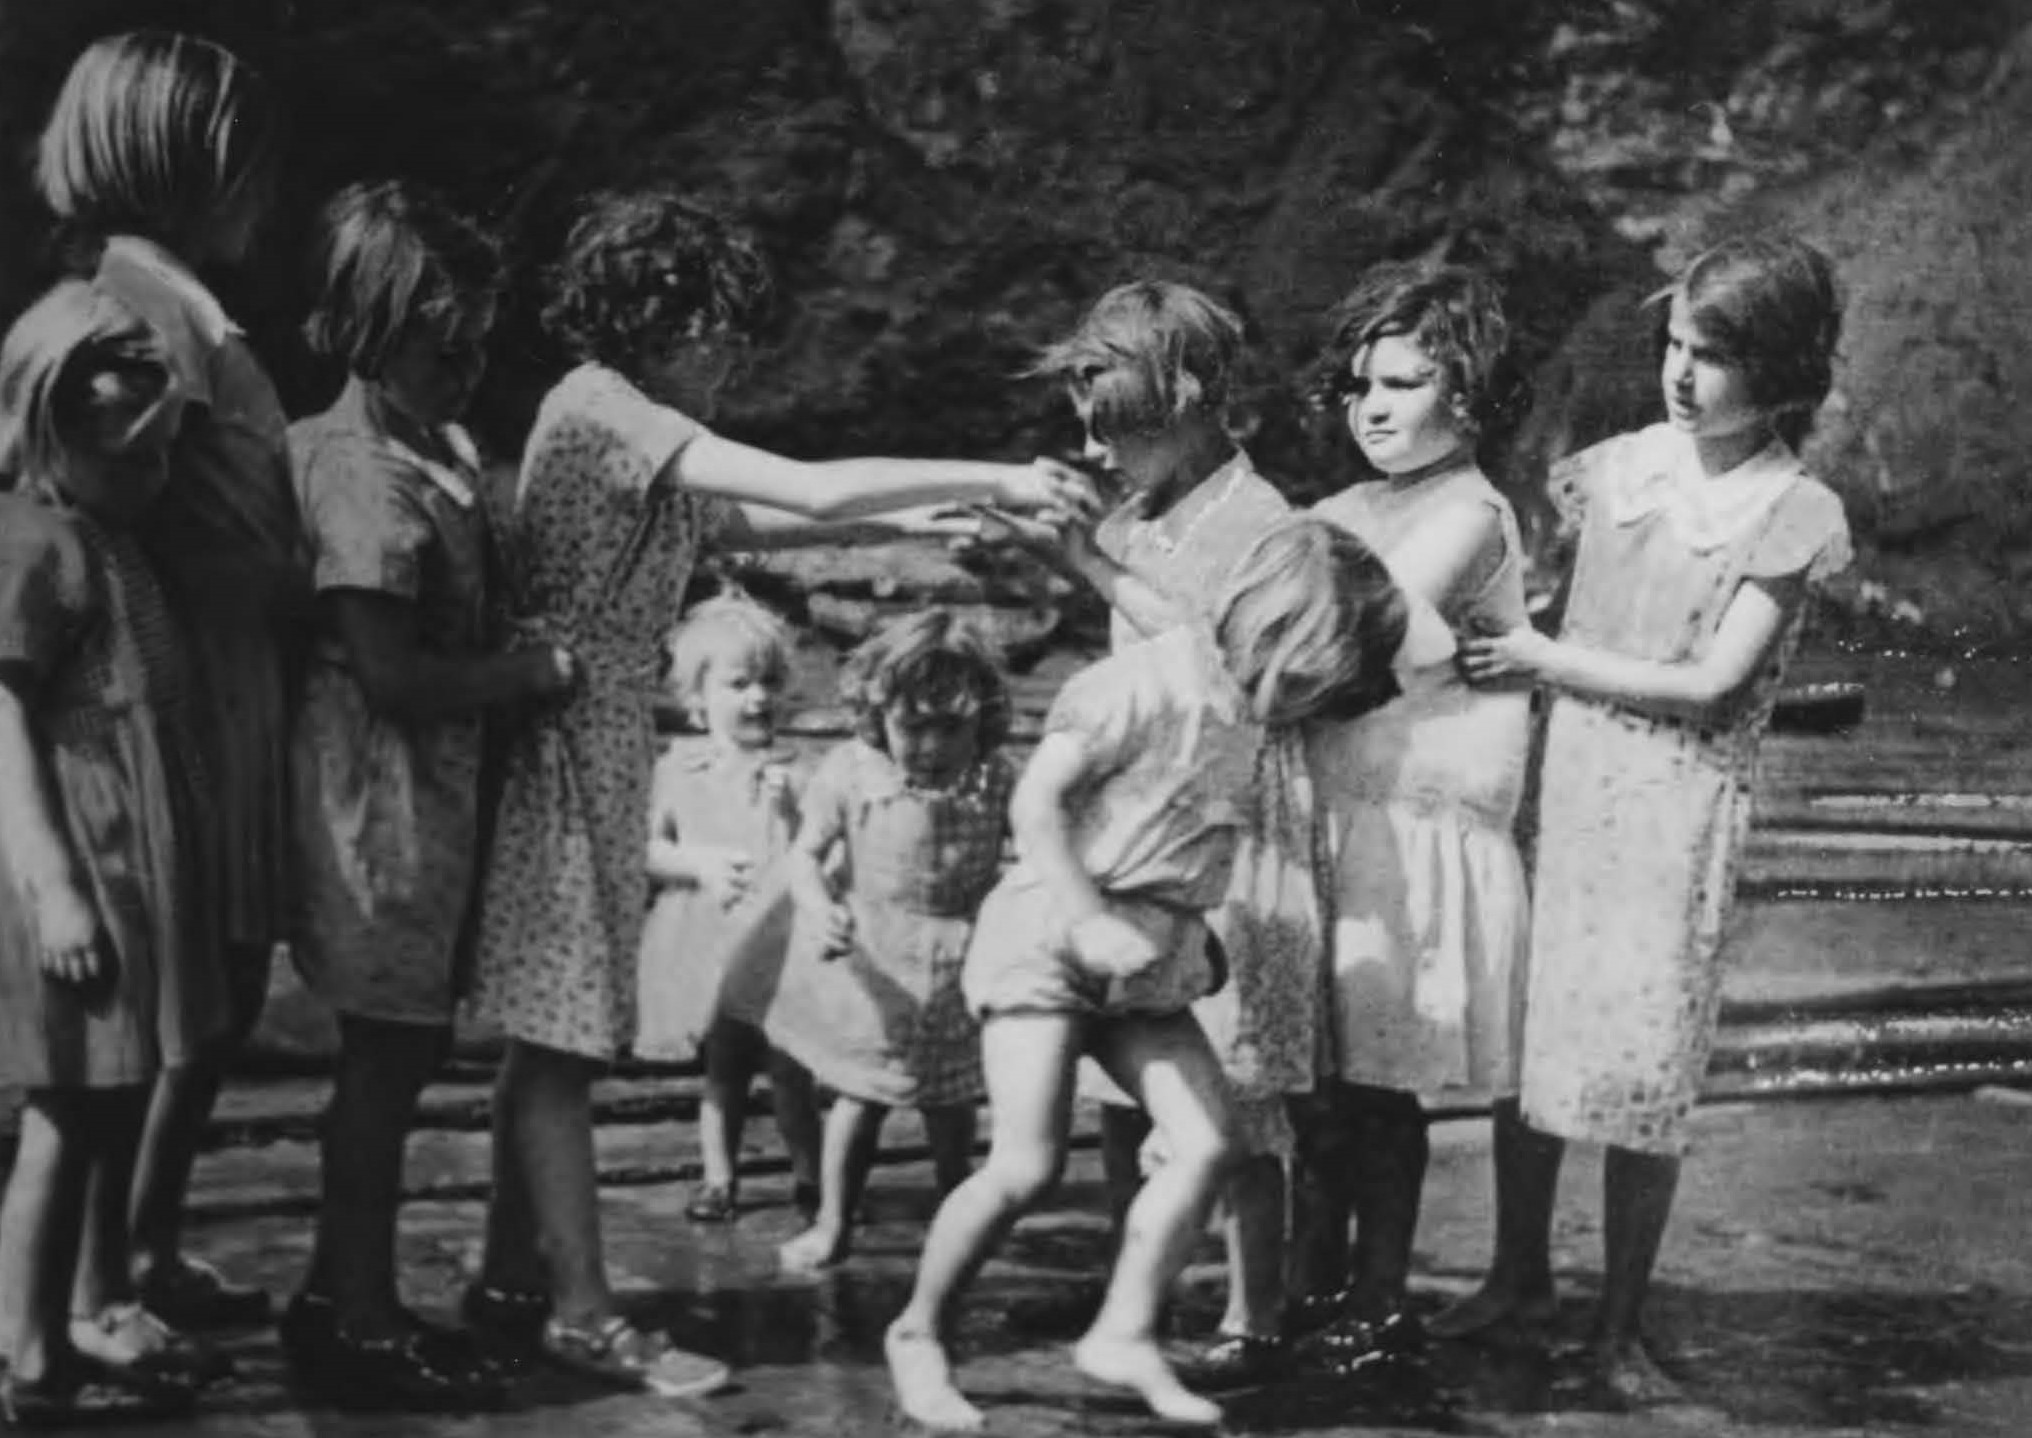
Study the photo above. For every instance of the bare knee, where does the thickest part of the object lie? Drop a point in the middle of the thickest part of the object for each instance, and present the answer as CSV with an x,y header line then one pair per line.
x,y
1025,1176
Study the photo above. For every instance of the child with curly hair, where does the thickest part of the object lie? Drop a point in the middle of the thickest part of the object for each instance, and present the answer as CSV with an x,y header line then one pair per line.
x,y
622,487
910,816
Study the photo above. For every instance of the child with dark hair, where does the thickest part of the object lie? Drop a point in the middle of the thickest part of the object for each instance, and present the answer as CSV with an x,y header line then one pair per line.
x,y
106,972
1418,800
160,154
387,751
902,838
622,488
1126,820
1701,541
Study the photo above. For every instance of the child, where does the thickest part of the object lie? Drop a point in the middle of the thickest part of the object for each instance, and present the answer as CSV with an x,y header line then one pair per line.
x,y
105,974
1126,820
160,155
1418,799
387,751
620,490
722,813
912,815
1700,542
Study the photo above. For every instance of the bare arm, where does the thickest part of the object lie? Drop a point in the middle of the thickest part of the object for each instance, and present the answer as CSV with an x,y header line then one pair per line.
x,y
38,855
1037,815
402,680
1441,557
1700,690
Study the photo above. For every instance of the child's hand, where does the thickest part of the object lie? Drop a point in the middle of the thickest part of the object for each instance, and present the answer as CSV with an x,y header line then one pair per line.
x,y
68,935
835,927
1513,654
1111,947
725,873
1056,488
552,670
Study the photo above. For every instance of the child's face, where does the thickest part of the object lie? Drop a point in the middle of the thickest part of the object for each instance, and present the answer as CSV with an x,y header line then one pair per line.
x,y
115,471
694,373
1399,408
1707,394
933,750
432,371
738,698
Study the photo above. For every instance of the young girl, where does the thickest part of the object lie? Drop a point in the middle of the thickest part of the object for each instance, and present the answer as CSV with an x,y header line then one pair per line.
x,y
387,752
723,810
1126,820
1418,799
911,815
160,156
619,491
105,973
1700,542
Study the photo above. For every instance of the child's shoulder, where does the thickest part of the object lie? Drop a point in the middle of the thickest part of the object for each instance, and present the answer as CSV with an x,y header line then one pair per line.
x,y
1140,681
1808,533
595,421
46,565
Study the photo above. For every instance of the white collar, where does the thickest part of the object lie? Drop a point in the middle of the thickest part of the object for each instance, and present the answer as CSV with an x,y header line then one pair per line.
x,y
456,483
174,275
1706,512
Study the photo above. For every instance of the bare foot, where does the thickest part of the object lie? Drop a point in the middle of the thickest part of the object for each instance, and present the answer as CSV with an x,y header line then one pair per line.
x,y
1629,1374
1492,1307
922,1375
1136,1363
814,1249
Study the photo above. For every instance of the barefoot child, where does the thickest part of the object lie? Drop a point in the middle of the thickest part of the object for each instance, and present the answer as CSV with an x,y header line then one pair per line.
x,y
1126,821
723,810
621,489
911,817
388,749
105,971
1701,540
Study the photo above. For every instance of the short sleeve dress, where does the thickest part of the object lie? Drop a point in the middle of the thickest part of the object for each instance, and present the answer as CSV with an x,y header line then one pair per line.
x,y
886,1022
1418,802
82,617
707,792
387,809
1171,754
228,542
599,551
1642,820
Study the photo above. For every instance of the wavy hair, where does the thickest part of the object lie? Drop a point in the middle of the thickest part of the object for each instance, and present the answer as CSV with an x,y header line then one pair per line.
x,y
1147,355
927,664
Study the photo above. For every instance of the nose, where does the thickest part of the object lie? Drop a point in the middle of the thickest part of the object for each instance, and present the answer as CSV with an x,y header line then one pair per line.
x,y
1094,449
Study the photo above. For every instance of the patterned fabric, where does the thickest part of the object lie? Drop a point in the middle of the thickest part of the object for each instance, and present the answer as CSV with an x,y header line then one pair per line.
x,y
601,547
85,627
886,1021
1170,755
387,809
701,959
1642,820
1418,799
228,544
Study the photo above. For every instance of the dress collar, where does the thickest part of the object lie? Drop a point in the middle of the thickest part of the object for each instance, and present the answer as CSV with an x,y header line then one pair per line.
x,y
174,275
458,481
1706,512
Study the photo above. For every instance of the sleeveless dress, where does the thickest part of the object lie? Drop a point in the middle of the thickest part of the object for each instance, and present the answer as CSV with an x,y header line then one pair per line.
x,y
700,959
1418,802
1642,820
886,1022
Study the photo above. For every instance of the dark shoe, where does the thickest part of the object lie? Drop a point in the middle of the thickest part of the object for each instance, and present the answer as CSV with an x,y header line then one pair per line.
x,y
711,1203
83,1393
508,1323
1350,1344
188,1294
1241,1360
414,1372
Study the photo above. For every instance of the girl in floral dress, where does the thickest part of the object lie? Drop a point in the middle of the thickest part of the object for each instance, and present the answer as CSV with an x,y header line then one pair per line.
x,y
902,839
1701,540
621,488
1419,799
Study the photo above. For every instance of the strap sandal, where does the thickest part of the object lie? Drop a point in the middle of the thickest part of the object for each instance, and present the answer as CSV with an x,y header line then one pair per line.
x,y
615,1351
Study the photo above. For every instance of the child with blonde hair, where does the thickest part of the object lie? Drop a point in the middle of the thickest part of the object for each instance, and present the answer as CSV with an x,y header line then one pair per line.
x,y
159,157
723,810
902,839
1126,821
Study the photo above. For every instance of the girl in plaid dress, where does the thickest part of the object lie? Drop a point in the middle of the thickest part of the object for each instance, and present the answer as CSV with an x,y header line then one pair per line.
x,y
911,816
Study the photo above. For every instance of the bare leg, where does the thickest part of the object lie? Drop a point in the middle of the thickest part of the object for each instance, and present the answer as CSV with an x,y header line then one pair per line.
x,y
1637,1194
796,1109
512,1261
1166,1063
1519,1287
1028,1060
949,1131
853,1127
41,1225
1124,1128
733,1055
550,1094
104,1273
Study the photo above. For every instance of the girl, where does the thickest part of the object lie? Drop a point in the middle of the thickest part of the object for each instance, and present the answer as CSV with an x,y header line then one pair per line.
x,y
105,974
1700,541
911,815
620,489
160,157
722,813
1126,819
1418,799
387,753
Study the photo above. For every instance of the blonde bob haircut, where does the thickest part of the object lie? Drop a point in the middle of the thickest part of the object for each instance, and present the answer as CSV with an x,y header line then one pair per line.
x,y
728,626
1310,623
154,134
79,371
1146,356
